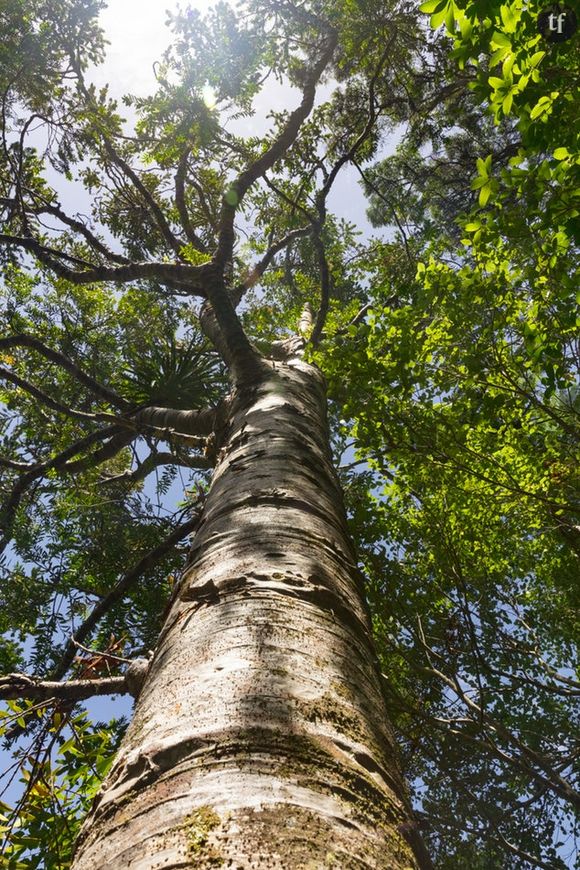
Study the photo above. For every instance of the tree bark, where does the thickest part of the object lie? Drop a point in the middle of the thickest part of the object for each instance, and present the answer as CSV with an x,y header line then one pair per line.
x,y
260,738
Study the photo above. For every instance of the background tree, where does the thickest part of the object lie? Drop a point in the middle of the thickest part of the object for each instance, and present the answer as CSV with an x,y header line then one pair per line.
x,y
463,388
450,368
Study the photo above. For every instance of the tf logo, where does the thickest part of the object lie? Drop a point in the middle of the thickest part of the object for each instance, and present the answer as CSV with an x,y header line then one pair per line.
x,y
557,23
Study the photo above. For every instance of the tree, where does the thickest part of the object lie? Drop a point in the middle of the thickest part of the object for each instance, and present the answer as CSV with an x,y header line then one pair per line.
x,y
145,340
468,416
260,733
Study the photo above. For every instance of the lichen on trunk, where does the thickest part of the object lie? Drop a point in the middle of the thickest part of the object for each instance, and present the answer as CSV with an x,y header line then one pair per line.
x,y
260,738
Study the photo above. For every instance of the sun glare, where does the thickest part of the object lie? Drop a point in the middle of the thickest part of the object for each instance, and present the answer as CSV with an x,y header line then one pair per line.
x,y
208,95
138,35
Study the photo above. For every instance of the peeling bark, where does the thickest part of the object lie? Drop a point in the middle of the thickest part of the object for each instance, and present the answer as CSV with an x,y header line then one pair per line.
x,y
260,738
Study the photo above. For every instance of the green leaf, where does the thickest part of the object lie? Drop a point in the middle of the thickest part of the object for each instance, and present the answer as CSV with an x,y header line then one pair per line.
x,y
484,194
541,107
507,103
499,39
499,55
439,17
431,6
509,18
482,166
450,19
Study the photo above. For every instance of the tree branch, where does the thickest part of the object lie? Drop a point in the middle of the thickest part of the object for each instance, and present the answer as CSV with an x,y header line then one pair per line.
x,y
7,375
293,203
35,688
324,290
374,189
260,267
118,438
188,280
276,150
326,188
154,208
107,451
76,225
175,244
527,756
233,343
153,461
180,203
60,359
362,137
197,422
149,560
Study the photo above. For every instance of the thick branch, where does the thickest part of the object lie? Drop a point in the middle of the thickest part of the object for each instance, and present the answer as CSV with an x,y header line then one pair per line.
x,y
23,340
228,335
227,332
107,451
33,687
187,427
153,461
200,422
276,150
188,280
211,329
46,254
15,465
181,205
244,360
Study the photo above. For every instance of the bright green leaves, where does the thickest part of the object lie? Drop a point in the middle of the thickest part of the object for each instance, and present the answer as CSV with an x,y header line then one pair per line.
x,y
510,16
193,256
463,405
74,756
543,108
513,77
484,182
441,11
561,153
502,43
500,40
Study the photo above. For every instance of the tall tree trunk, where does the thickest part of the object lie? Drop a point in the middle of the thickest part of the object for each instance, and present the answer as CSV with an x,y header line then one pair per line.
x,y
260,738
